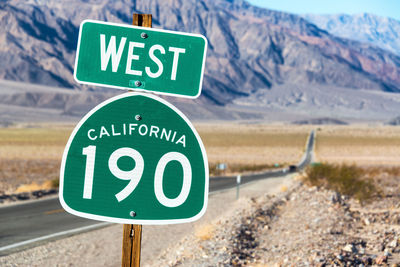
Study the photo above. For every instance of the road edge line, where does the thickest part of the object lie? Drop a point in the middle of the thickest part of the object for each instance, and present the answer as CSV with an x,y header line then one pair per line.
x,y
42,238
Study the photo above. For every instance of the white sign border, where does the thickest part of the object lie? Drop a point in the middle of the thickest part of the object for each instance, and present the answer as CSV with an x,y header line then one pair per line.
x,y
133,221
147,29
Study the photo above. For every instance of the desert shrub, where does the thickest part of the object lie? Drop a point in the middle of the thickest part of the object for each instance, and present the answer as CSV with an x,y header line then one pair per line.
x,y
346,179
251,167
388,170
55,183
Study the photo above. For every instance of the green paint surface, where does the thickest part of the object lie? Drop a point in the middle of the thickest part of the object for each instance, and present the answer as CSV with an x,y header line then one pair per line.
x,y
112,117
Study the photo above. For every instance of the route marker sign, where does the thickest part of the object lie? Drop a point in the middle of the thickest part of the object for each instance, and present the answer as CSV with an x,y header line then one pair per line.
x,y
135,159
147,59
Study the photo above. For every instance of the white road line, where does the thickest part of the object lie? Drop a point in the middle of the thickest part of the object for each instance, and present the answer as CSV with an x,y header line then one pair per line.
x,y
68,232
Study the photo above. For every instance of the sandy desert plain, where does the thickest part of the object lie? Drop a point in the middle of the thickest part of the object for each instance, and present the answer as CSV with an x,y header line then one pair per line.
x,y
31,154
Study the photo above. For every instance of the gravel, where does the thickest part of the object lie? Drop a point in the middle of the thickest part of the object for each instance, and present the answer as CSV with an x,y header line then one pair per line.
x,y
300,227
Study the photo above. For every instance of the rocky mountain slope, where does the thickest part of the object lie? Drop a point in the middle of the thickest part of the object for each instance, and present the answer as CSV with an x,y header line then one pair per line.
x,y
367,28
251,50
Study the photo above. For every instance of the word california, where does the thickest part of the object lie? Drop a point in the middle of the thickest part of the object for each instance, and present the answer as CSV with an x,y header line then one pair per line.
x,y
134,128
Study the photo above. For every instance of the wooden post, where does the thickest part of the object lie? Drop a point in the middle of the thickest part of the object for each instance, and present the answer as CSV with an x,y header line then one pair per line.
x,y
131,242
143,20
132,234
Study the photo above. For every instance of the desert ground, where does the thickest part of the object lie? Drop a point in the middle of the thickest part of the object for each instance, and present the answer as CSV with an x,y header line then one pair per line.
x,y
31,156
361,144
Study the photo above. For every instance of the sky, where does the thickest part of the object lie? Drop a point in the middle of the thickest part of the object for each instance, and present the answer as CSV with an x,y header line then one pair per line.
x,y
385,8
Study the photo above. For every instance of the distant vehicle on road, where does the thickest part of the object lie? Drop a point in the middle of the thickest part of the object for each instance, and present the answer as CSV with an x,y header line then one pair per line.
x,y
292,168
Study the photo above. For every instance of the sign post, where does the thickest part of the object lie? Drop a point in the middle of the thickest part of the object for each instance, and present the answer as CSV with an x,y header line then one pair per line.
x,y
131,245
136,159
132,233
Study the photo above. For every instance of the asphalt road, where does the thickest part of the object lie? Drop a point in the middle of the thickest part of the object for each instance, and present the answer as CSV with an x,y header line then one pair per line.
x,y
29,224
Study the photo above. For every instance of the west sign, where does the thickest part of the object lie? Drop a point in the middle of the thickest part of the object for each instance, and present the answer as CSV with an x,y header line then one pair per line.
x,y
130,57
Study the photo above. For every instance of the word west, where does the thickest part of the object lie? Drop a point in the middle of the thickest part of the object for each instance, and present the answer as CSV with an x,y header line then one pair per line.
x,y
142,130
115,55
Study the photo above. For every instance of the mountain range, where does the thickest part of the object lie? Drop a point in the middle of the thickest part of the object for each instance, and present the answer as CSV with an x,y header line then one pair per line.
x,y
378,31
261,64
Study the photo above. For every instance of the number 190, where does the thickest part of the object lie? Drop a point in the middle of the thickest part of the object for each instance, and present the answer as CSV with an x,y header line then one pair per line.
x,y
136,173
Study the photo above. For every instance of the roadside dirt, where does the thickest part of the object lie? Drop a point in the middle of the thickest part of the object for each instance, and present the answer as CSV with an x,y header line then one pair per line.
x,y
300,227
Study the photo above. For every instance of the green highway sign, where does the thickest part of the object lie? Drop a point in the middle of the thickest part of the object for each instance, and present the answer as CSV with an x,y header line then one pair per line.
x,y
147,59
135,159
